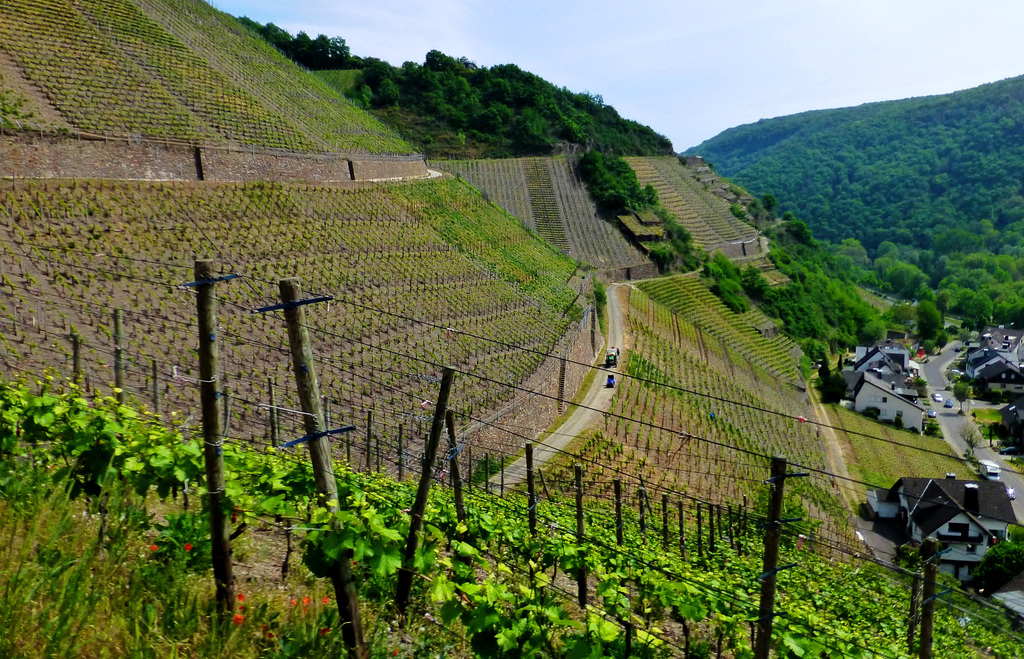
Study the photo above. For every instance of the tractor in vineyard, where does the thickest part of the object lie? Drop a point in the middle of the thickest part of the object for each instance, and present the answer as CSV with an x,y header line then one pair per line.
x,y
611,358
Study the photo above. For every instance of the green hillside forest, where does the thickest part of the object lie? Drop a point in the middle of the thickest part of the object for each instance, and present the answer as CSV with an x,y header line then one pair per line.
x,y
452,108
924,192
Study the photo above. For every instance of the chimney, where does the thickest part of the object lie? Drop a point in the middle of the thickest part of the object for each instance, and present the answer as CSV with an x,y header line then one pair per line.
x,y
893,385
971,497
950,476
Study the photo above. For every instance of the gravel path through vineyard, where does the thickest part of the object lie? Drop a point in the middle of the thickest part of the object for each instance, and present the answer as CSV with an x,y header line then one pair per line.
x,y
597,401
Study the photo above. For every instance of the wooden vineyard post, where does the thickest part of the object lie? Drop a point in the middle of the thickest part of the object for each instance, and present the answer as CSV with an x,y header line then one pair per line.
x,y
275,426
119,355
469,466
581,573
213,439
664,520
487,473
369,438
320,457
405,574
732,534
700,533
155,375
618,511
682,530
642,494
929,548
915,590
401,454
453,464
766,610
711,529
531,489
76,357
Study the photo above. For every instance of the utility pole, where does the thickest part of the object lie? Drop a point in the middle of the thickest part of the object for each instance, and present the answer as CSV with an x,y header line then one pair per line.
x,y
320,457
213,438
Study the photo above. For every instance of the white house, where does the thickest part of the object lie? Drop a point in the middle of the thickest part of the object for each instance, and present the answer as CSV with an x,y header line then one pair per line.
x,y
967,517
891,401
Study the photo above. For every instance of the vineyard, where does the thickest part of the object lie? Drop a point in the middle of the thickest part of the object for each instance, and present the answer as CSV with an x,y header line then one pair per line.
x,y
575,581
705,430
588,237
706,216
420,274
177,70
690,299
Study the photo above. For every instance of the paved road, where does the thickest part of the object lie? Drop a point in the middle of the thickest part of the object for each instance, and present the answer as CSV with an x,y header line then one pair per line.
x,y
598,399
951,422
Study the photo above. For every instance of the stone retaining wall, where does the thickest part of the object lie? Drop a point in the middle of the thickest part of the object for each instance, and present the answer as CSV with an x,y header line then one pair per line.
x,y
77,156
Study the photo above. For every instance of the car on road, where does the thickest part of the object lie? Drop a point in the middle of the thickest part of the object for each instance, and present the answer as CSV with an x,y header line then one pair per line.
x,y
1009,450
937,398
989,470
932,414
948,403
1010,492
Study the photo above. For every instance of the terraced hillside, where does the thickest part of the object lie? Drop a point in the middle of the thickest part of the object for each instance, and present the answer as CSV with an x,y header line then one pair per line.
x,y
707,217
391,256
690,299
706,392
176,70
589,238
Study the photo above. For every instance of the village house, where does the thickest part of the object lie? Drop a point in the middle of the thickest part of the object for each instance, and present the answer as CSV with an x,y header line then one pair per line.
x,y
892,401
967,517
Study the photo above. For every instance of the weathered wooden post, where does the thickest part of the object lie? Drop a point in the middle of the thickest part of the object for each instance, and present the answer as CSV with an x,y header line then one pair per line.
x,y
213,438
405,574
320,457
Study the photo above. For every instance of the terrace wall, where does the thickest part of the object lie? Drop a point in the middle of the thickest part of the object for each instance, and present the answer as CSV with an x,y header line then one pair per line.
x,y
78,156
530,414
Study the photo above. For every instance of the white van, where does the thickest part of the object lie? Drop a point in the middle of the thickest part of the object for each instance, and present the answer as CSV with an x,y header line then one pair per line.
x,y
989,469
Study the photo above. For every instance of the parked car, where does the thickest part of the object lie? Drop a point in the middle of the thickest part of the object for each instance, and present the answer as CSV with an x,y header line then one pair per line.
x,y
937,398
932,414
1009,450
1010,492
948,403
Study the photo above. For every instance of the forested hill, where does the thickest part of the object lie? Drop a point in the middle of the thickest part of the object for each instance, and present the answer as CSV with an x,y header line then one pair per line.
x,y
451,108
923,193
904,171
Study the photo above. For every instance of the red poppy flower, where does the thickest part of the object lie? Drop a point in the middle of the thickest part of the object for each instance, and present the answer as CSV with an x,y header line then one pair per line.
x,y
306,600
241,607
238,619
295,602
153,548
395,653
241,597
264,628
270,634
188,546
326,600
323,632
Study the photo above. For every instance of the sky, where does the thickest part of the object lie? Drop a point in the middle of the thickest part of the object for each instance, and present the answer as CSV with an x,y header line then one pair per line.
x,y
687,69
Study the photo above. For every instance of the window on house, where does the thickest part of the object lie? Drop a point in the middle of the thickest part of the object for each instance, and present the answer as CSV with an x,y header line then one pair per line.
x,y
885,399
959,528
